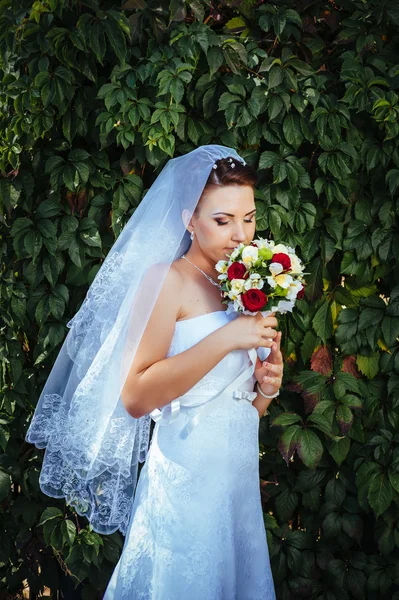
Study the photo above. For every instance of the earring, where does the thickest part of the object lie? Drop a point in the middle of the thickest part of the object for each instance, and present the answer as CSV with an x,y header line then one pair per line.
x,y
192,235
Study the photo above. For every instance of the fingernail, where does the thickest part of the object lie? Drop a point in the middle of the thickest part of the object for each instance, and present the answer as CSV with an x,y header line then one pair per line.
x,y
265,364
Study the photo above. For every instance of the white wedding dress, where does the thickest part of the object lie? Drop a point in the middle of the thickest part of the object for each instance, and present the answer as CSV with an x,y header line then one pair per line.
x,y
196,530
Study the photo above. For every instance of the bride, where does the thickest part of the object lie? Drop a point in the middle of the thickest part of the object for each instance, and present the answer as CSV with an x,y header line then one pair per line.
x,y
194,525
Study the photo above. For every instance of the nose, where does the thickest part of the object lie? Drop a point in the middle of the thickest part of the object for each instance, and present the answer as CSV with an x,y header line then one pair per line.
x,y
239,234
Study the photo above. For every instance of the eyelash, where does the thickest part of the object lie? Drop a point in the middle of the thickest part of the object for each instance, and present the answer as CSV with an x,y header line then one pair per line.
x,y
246,221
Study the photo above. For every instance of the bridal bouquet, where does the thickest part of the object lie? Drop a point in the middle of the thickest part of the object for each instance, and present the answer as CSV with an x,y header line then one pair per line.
x,y
262,276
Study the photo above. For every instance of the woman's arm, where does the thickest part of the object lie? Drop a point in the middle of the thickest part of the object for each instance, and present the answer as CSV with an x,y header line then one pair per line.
x,y
172,377
153,379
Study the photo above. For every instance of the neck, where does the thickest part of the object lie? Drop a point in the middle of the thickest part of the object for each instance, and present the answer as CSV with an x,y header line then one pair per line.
x,y
202,262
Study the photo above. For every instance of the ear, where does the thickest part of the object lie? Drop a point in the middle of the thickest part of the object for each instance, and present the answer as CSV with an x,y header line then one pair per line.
x,y
186,218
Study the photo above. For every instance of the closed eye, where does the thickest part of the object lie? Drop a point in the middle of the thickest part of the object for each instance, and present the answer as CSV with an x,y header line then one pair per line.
x,y
226,222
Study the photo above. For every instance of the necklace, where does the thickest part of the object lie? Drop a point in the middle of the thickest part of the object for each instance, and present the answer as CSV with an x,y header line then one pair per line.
x,y
207,276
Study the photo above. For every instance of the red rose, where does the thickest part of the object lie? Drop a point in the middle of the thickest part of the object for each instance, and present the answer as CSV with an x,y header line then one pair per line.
x,y
254,299
301,293
283,259
237,271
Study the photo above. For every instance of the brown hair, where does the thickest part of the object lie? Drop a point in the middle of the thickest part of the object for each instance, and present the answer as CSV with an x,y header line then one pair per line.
x,y
225,174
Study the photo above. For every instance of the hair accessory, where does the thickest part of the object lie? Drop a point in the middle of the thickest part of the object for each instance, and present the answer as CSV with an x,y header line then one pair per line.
x,y
92,444
215,166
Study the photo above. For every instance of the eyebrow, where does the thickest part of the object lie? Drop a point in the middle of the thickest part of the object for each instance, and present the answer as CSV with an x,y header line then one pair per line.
x,y
230,215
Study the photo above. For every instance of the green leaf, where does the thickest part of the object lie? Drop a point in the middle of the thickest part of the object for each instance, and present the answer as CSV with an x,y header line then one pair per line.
x,y
309,448
116,38
322,322
390,330
286,419
5,485
275,77
292,130
268,159
345,382
339,450
286,503
49,514
68,531
310,381
287,442
344,418
368,365
321,421
332,525
380,494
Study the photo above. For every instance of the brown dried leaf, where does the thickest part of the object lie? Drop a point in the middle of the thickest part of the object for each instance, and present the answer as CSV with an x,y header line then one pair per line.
x,y
321,361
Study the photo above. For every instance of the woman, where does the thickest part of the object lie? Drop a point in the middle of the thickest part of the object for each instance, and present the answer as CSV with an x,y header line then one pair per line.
x,y
195,527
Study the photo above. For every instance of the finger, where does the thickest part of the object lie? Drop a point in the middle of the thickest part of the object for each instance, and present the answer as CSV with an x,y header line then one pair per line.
x,y
275,381
276,342
271,322
266,343
270,333
275,369
258,364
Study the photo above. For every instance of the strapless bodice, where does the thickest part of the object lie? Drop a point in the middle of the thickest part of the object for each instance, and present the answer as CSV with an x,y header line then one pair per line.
x,y
191,331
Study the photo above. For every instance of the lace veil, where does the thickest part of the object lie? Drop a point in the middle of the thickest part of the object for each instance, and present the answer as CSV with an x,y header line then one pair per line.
x,y
92,445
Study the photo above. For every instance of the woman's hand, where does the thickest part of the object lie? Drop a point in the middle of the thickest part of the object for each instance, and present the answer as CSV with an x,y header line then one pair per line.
x,y
269,374
247,331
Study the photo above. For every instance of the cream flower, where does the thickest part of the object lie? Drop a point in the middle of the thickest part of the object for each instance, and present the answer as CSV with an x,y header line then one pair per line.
x,y
296,266
277,277
221,266
280,248
284,280
263,243
275,268
254,281
283,306
293,290
235,253
237,286
249,255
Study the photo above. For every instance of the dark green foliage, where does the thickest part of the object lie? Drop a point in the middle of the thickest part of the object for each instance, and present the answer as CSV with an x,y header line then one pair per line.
x,y
94,101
